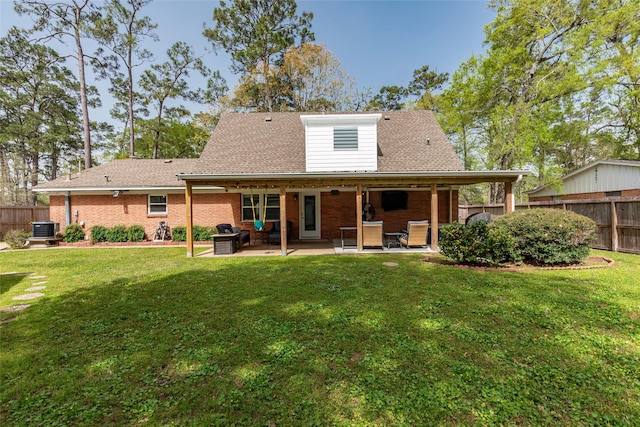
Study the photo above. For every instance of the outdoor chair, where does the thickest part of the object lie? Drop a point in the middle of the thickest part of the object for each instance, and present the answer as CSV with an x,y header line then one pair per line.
x,y
372,234
244,236
415,234
274,235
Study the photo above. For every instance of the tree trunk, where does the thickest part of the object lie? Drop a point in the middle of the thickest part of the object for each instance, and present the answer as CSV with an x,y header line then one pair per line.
x,y
132,148
5,179
84,104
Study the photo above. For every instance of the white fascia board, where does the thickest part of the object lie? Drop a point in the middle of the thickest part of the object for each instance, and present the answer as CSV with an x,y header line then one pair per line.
x,y
339,118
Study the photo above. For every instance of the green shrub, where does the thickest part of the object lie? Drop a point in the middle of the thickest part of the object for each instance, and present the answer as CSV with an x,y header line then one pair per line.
x,y
203,234
99,234
135,233
477,243
117,233
549,236
72,233
16,239
179,233
200,233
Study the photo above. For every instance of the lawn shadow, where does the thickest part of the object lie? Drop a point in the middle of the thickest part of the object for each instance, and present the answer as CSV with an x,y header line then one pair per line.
x,y
331,341
9,280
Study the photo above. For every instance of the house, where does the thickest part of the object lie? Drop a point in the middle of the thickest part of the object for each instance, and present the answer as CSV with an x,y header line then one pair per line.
x,y
319,171
600,179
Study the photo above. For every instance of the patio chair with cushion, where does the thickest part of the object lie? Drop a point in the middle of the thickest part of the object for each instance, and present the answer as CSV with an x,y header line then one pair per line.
x,y
244,236
372,234
274,235
415,234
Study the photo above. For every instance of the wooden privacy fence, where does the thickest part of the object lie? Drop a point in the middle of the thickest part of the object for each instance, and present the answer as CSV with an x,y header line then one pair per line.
x,y
617,219
21,217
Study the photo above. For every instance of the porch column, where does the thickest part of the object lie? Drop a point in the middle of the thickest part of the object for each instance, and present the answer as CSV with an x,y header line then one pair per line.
x,y
359,217
508,197
283,221
189,217
434,217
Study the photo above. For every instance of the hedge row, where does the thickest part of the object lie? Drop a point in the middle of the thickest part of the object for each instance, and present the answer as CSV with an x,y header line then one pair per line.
x,y
200,233
117,233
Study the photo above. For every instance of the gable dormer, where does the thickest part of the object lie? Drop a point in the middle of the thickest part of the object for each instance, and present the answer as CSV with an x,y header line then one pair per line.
x,y
341,142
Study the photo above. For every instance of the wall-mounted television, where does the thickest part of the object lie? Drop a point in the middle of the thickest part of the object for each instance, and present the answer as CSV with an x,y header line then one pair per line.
x,y
394,200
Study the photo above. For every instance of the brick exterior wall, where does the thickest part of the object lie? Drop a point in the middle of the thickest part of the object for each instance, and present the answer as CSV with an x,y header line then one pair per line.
x,y
212,209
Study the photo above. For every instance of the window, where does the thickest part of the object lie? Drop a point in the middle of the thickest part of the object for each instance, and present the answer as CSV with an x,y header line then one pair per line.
x,y
345,138
157,204
272,207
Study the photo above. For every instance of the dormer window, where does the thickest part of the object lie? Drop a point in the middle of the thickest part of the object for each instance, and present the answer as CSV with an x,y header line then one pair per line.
x,y
345,138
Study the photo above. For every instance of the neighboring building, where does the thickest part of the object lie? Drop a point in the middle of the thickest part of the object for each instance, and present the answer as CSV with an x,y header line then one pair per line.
x,y
316,170
600,179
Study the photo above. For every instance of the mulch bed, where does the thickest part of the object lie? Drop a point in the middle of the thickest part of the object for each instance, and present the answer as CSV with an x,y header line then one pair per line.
x,y
589,263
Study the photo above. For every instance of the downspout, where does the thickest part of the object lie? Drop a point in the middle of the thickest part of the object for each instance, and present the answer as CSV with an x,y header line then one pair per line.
x,y
67,208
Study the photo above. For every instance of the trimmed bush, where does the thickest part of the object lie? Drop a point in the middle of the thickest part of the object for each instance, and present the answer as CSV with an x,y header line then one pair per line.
x,y
549,236
73,233
203,234
477,243
99,234
135,233
179,233
16,239
117,233
200,233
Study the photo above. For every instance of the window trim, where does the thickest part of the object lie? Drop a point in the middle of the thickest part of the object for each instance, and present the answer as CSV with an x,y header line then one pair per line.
x,y
150,203
259,207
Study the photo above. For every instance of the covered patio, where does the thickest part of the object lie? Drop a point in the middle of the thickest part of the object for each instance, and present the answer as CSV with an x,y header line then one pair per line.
x,y
358,182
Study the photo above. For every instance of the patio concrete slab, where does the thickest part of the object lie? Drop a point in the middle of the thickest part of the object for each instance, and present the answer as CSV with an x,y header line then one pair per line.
x,y
308,248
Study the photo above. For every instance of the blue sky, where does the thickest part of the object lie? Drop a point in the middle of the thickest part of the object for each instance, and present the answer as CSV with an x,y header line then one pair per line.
x,y
377,42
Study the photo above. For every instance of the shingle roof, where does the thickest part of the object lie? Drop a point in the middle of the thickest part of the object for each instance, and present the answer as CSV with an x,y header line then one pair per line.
x,y
246,143
249,143
126,173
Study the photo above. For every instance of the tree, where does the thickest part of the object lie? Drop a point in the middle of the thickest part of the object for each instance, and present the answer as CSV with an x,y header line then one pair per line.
x,y
65,20
179,139
167,81
388,99
257,33
122,31
39,122
310,78
556,89
423,84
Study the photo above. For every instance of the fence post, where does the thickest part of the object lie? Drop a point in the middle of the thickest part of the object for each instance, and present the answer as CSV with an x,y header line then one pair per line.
x,y
614,227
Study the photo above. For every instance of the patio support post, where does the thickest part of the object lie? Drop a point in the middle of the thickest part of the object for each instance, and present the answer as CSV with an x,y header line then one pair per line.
x,y
283,221
359,217
188,201
508,197
434,217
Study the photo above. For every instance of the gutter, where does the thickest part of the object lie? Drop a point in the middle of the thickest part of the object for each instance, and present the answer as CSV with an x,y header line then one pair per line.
x,y
364,174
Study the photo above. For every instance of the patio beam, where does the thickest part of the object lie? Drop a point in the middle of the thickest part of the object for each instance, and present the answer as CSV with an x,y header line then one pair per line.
x,y
320,182
359,217
508,197
434,217
283,221
188,193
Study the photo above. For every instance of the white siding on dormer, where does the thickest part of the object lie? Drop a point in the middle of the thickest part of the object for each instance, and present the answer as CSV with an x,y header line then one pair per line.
x,y
320,153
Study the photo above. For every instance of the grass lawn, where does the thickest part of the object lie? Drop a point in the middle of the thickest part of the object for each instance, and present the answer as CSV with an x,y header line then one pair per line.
x,y
150,337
